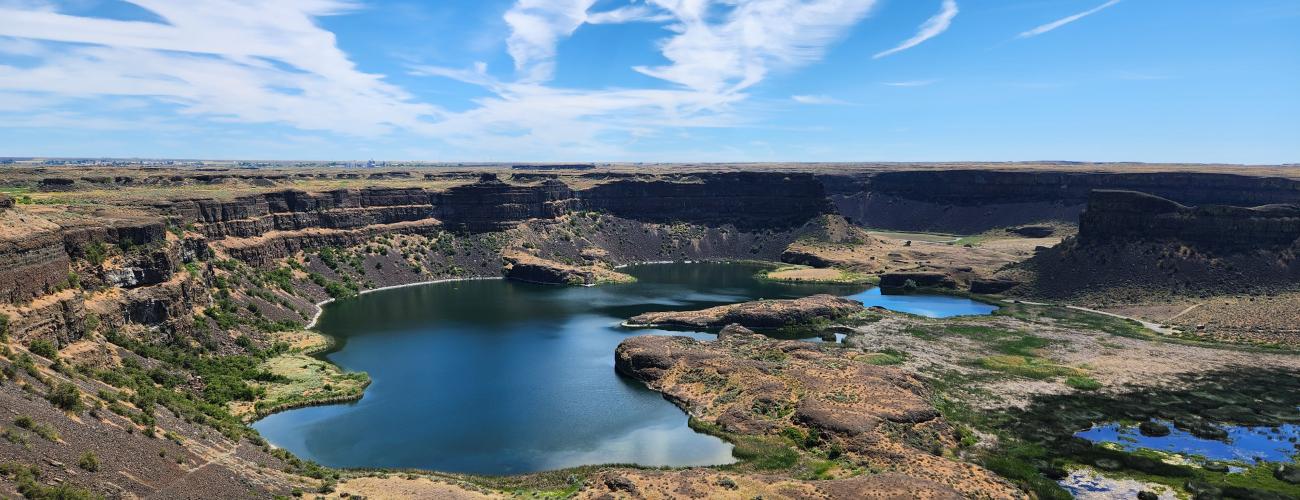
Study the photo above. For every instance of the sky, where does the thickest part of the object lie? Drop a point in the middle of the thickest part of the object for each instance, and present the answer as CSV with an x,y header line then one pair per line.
x,y
1200,81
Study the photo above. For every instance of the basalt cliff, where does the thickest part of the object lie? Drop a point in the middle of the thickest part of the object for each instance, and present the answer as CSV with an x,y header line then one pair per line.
x,y
1134,243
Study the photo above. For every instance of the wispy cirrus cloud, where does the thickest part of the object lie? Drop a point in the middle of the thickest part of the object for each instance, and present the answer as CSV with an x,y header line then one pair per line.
x,y
1066,20
910,83
819,99
932,27
229,59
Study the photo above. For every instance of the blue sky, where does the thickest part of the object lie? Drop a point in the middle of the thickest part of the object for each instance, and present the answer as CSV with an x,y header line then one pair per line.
x,y
653,80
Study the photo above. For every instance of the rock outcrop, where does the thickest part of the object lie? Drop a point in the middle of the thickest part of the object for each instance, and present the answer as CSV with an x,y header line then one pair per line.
x,y
751,385
904,282
33,259
531,269
756,314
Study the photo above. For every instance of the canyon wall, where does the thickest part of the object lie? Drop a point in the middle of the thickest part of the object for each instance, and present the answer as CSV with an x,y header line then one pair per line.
x,y
1132,216
492,205
262,228
972,201
747,200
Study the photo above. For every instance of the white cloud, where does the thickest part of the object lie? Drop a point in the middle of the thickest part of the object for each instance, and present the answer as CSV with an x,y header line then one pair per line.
x,y
729,52
628,14
816,99
536,27
253,61
931,28
237,60
715,50
910,83
1066,20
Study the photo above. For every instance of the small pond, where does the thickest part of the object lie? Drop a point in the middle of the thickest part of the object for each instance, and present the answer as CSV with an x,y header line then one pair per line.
x,y
1242,444
499,377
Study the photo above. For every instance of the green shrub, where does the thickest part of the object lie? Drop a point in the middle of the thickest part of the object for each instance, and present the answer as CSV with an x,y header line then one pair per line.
x,y
89,461
26,478
42,430
14,436
66,396
43,348
95,253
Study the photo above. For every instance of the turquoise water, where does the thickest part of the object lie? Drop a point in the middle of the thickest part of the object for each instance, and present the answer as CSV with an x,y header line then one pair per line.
x,y
933,306
499,377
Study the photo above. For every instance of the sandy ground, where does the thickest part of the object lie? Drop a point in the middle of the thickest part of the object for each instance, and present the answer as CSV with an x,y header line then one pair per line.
x,y
1270,320
398,486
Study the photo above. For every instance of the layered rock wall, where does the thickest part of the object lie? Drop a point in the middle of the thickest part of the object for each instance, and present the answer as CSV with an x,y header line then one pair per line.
x,y
492,205
1132,216
32,263
747,200
972,201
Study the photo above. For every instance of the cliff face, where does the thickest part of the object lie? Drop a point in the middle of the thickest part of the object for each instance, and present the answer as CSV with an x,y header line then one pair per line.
x,y
492,205
1134,246
1132,216
748,200
32,259
295,210
972,201
260,229
37,247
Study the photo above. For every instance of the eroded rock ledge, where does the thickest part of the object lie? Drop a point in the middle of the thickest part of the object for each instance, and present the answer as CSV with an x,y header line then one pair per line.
x,y
756,314
533,269
873,417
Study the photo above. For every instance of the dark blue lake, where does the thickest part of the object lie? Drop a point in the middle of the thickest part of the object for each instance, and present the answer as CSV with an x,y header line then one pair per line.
x,y
499,377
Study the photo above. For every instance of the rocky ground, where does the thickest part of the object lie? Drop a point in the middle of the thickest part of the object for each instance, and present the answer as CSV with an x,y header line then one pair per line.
x,y
756,314
845,413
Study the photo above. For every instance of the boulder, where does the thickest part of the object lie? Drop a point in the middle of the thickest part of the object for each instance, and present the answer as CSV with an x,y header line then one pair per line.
x,y
734,330
1153,429
1287,472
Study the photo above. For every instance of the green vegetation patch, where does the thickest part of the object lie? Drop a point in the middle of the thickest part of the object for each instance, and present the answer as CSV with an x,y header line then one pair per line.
x,y
28,481
807,274
1083,383
43,430
887,357
1025,366
299,380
